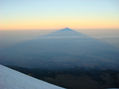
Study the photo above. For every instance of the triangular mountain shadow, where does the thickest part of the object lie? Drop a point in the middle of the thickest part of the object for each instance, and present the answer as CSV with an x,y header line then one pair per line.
x,y
66,29
71,50
64,33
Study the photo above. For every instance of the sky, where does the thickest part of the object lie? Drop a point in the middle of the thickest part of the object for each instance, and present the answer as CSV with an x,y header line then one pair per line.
x,y
56,14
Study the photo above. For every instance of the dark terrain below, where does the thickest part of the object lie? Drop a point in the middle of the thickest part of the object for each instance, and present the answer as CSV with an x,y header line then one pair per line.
x,y
75,78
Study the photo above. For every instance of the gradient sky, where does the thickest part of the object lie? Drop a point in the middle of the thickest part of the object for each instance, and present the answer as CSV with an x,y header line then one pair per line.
x,y
55,14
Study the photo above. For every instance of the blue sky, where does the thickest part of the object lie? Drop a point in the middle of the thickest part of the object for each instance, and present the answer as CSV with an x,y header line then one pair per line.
x,y
83,13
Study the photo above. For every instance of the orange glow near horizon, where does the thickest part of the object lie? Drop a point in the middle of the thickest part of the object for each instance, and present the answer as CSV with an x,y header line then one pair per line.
x,y
57,14
40,25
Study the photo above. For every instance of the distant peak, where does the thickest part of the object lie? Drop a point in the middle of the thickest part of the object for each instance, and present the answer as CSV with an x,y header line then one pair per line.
x,y
66,29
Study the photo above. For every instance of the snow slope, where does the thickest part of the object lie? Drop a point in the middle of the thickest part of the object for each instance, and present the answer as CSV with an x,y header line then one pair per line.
x,y
11,79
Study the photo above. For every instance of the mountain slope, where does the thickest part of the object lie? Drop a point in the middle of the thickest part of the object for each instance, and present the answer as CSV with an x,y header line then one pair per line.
x,y
62,49
11,79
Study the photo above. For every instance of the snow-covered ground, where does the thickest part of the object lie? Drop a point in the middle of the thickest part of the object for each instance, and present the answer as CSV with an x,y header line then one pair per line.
x,y
11,79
